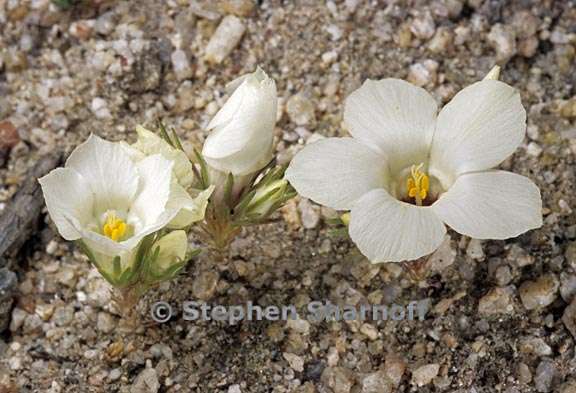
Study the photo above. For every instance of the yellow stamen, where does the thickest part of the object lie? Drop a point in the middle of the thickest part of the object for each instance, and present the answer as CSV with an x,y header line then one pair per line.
x,y
418,184
114,227
345,218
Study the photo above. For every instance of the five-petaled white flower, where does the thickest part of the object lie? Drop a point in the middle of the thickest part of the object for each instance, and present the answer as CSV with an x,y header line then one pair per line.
x,y
110,201
242,132
408,169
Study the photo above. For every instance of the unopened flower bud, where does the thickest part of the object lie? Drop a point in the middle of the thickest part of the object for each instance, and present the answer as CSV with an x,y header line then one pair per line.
x,y
242,132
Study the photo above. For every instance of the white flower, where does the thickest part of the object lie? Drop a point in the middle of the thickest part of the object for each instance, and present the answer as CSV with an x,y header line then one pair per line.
x,y
241,140
111,202
191,209
409,170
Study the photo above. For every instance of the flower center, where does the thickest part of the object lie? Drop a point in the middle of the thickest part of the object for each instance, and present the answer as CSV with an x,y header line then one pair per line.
x,y
418,184
114,227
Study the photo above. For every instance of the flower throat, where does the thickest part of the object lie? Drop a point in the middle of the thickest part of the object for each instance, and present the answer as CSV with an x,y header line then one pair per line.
x,y
418,184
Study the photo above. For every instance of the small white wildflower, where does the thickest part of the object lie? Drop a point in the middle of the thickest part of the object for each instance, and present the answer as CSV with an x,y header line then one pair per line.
x,y
111,202
242,132
408,169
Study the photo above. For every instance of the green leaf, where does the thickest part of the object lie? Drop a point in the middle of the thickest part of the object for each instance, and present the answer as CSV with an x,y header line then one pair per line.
x,y
240,208
193,253
163,133
204,177
176,139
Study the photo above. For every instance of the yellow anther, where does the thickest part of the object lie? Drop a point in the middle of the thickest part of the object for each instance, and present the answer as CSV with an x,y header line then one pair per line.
x,y
418,184
114,227
345,218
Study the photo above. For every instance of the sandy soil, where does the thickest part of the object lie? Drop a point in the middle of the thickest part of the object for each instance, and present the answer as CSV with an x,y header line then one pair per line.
x,y
499,318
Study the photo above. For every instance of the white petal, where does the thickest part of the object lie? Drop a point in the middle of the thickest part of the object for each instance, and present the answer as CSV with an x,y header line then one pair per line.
x,y
243,130
491,205
106,246
108,170
155,173
134,154
388,230
482,125
337,171
396,117
67,194
190,210
149,143
101,244
252,86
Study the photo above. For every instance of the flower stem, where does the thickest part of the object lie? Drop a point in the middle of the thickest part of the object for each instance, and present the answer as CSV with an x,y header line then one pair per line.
x,y
126,300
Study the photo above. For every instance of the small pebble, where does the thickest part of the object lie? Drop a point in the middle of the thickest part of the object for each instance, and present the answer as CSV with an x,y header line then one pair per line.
x,y
423,375
503,275
238,7
18,318
524,374
204,286
569,318
567,286
536,346
100,108
369,331
146,382
115,374
300,110
423,73
105,323
295,361
234,389
444,256
534,149
503,40
377,382
442,41
394,366
181,65
301,326
225,39
475,250
545,376
105,23
570,254
496,301
63,316
568,387
539,293
309,214
338,379
423,26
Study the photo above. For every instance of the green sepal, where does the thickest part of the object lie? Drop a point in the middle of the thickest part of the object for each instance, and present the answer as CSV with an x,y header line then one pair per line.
x,y
117,266
228,187
204,177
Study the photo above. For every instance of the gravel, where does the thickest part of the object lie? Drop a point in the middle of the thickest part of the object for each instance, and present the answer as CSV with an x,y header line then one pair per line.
x,y
503,313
